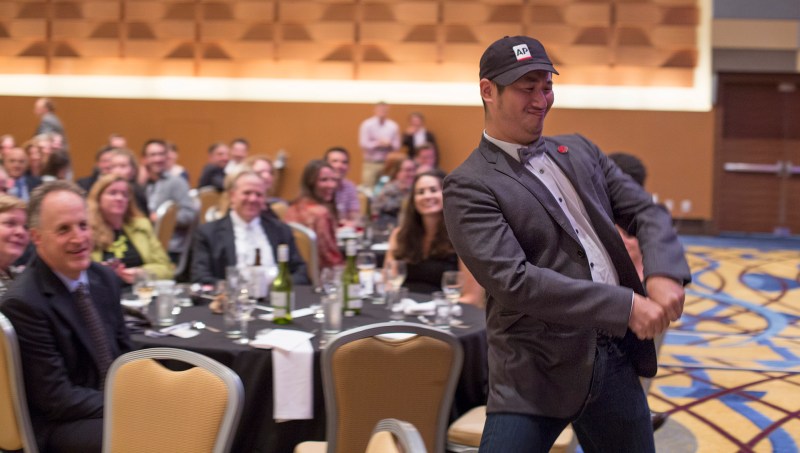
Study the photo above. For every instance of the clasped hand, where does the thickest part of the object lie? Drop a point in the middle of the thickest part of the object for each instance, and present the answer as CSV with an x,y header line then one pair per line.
x,y
652,315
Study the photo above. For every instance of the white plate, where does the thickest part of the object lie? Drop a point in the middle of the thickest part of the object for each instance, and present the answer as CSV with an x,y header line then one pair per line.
x,y
135,303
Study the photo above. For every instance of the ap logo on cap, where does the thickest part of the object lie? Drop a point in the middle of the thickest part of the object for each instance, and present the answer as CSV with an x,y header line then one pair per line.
x,y
521,52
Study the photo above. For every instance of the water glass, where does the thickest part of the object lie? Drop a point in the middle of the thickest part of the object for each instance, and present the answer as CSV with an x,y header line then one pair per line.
x,y
443,311
397,304
452,283
143,286
394,273
165,302
183,295
366,262
332,310
244,308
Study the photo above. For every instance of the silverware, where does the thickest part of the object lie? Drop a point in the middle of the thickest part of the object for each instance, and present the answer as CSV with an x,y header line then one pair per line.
x,y
200,325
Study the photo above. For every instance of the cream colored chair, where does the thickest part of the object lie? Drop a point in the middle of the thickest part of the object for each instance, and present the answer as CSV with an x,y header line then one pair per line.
x,y
16,432
395,436
208,197
464,435
166,221
279,208
306,241
151,408
390,370
364,202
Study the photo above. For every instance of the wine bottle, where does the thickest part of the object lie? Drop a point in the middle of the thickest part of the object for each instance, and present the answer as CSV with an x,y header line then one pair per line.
x,y
281,295
351,286
257,261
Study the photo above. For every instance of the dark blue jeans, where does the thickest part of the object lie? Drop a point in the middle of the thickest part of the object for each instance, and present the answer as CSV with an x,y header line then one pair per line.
x,y
615,416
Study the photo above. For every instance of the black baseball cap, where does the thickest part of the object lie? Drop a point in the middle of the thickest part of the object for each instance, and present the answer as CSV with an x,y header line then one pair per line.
x,y
511,57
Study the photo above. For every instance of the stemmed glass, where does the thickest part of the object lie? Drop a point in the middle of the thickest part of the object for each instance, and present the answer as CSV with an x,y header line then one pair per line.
x,y
452,283
394,274
366,262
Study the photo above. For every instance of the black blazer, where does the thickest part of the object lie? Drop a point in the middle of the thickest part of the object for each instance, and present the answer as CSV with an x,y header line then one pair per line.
x,y
543,309
58,356
215,249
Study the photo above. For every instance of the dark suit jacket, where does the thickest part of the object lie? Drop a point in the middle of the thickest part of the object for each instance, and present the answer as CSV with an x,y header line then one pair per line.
x,y
215,248
543,310
212,175
408,142
58,356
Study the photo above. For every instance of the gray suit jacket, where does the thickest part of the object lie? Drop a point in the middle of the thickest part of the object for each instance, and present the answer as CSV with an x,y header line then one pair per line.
x,y
543,310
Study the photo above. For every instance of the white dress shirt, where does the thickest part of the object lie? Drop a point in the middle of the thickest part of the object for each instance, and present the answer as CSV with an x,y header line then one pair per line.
x,y
249,236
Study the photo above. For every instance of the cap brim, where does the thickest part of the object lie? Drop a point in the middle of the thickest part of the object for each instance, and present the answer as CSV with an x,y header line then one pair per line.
x,y
511,76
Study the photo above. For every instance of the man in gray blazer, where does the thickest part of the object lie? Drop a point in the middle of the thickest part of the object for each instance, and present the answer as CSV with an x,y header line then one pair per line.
x,y
568,322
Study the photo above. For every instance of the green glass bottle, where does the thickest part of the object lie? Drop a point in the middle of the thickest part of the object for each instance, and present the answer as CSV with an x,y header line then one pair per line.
x,y
351,285
281,295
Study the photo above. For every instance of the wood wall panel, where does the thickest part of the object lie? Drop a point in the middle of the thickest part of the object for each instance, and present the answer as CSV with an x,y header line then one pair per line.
x,y
675,146
362,33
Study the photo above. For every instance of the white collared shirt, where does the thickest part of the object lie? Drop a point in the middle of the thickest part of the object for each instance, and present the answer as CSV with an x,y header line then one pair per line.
x,y
249,236
72,285
551,175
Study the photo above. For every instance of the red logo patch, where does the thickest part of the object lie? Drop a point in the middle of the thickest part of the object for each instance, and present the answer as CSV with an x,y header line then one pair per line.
x,y
563,149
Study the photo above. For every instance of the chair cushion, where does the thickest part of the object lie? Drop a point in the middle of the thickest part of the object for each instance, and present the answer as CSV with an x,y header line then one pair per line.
x,y
10,433
383,442
311,447
468,428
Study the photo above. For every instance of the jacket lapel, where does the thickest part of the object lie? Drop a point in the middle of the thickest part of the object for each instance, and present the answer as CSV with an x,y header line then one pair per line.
x,y
506,165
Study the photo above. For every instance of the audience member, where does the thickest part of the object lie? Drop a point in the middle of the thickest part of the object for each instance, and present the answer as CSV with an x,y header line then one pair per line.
x,y
377,136
162,187
173,167
422,242
416,134
35,163
67,315
16,165
214,172
123,163
49,122
239,150
124,239
7,143
262,165
426,158
102,165
234,239
57,166
117,141
348,207
13,238
316,209
386,204
45,142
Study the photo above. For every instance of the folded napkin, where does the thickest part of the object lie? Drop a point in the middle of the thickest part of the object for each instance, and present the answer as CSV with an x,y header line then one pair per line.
x,y
292,372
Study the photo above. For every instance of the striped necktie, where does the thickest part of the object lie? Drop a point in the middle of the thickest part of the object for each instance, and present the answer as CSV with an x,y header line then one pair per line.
x,y
97,331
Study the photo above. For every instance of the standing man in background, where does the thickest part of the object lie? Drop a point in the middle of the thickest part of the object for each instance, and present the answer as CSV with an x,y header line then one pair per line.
x,y
49,122
377,136
568,323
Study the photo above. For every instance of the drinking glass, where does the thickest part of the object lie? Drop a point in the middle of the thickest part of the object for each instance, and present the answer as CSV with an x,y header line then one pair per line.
x,y
443,311
396,298
143,285
394,273
365,262
244,308
452,283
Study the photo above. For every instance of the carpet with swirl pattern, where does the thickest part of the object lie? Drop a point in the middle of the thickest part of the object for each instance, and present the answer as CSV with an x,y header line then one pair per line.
x,y
729,370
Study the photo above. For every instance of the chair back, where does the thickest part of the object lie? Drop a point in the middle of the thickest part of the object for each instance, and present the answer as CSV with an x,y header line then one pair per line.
x,y
279,208
166,221
364,202
368,377
208,197
306,241
395,436
151,408
16,432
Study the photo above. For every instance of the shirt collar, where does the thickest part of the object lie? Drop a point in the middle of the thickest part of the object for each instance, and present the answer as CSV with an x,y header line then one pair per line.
x,y
509,148
71,284
239,222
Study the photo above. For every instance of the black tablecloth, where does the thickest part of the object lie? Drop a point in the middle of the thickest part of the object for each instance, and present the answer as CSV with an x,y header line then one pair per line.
x,y
257,431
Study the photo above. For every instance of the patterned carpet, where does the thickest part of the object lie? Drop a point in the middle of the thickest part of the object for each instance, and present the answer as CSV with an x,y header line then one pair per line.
x,y
729,371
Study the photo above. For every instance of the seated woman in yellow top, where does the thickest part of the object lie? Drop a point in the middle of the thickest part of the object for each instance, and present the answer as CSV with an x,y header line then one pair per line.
x,y
123,237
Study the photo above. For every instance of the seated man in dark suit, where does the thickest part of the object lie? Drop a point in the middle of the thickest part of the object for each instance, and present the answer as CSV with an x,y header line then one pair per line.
x,y
16,165
234,239
214,172
66,312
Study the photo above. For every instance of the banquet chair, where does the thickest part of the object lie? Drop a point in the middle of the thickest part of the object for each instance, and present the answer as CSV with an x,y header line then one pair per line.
x,y
363,203
166,221
154,409
16,432
279,209
208,197
395,436
306,241
464,434
389,370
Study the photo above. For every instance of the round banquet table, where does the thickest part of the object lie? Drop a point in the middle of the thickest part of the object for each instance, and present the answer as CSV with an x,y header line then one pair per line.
x,y
258,431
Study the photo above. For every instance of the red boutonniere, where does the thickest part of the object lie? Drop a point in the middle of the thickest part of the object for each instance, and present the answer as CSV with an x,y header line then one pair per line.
x,y
563,149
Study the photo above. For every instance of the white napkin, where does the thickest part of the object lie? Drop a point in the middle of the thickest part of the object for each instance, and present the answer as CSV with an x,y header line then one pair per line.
x,y
411,307
292,372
